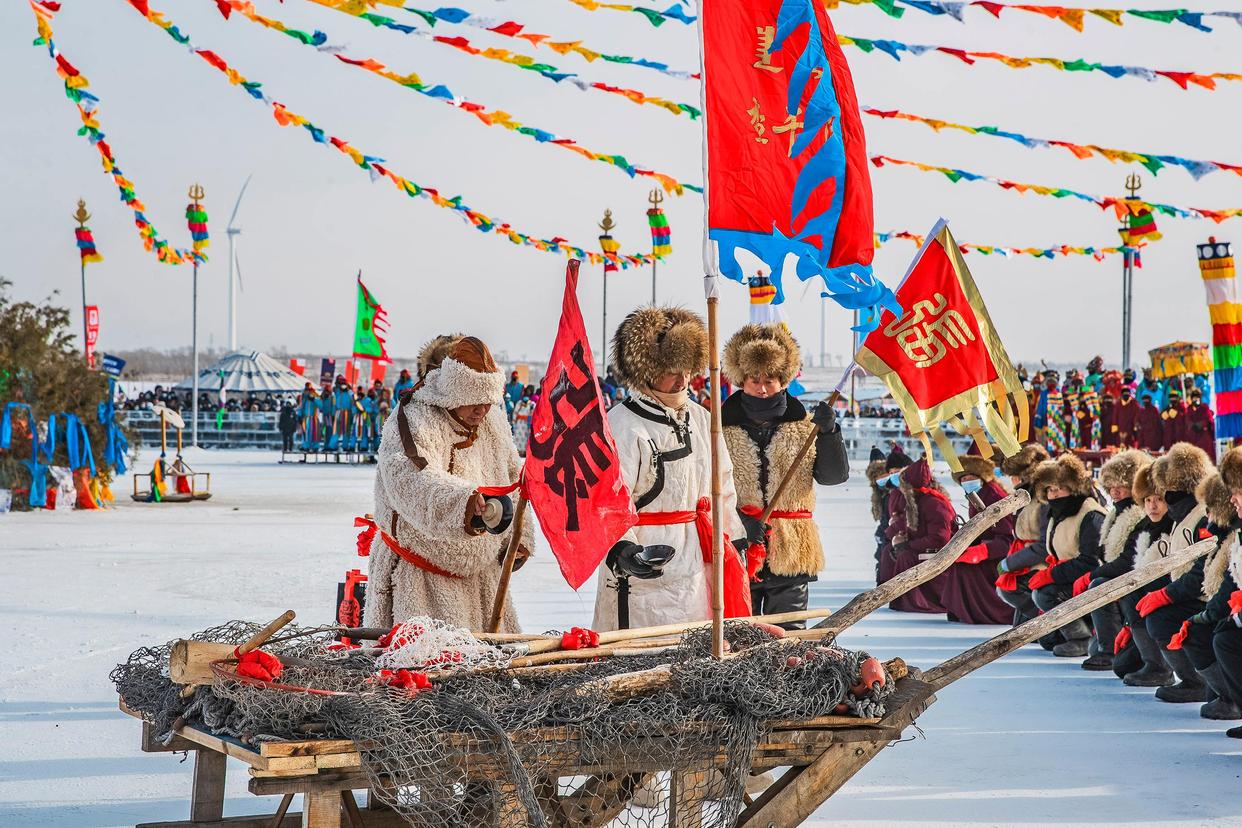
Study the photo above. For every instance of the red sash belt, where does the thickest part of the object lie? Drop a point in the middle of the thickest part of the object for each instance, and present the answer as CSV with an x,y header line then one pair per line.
x,y
737,593
407,555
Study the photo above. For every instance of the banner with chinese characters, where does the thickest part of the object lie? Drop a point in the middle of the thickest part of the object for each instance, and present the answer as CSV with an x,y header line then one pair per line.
x,y
573,476
942,359
786,158
92,332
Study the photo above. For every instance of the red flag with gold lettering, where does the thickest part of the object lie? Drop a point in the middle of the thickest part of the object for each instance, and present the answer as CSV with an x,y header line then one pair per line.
x,y
942,359
573,476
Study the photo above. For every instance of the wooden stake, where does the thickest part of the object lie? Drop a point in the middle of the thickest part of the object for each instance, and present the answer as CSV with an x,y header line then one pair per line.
x,y
797,464
713,344
506,570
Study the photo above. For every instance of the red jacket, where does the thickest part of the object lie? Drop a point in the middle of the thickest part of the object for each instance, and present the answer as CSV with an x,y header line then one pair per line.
x,y
1125,423
932,527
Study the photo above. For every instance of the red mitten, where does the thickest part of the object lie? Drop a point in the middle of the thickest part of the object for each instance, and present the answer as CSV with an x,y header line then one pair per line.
x,y
1042,578
579,638
974,554
1235,603
756,554
1153,601
1051,560
1008,581
1122,640
1082,584
1179,637
257,664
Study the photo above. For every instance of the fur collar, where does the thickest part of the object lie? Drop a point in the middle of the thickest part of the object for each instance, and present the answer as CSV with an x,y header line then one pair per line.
x,y
1149,546
1117,530
1216,565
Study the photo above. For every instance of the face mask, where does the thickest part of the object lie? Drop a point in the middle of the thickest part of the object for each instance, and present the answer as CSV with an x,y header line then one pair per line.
x,y
971,486
894,479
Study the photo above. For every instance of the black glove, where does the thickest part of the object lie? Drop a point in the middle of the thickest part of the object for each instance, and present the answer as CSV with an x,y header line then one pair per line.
x,y
825,416
756,531
630,560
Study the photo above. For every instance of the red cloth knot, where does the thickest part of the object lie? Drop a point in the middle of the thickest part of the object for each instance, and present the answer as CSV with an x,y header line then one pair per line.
x,y
579,638
257,664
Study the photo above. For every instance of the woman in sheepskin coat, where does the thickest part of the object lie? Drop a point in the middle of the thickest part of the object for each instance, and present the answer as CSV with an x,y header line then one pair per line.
x,y
968,586
764,429
927,525
448,439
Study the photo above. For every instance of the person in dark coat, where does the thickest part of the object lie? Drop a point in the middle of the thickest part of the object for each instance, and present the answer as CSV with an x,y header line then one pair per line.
x,y
968,590
1124,422
1075,517
288,426
1177,474
1027,551
1118,538
927,526
1200,425
1109,433
1150,426
1173,421
895,507
877,478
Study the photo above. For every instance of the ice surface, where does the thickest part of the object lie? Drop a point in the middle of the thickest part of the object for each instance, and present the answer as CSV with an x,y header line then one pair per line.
x,y
1029,740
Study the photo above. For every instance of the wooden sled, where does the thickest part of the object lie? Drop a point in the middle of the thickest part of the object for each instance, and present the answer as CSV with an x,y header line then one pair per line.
x,y
179,472
820,754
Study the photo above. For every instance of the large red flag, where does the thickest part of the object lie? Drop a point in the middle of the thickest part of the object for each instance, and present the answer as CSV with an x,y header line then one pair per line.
x,y
942,359
573,477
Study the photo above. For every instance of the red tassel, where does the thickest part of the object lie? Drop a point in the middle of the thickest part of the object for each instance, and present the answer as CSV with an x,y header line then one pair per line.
x,y
1235,602
1179,637
756,555
410,680
367,535
257,664
579,638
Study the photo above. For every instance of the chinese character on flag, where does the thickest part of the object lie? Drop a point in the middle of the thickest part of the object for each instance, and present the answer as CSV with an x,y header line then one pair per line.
x,y
573,476
942,359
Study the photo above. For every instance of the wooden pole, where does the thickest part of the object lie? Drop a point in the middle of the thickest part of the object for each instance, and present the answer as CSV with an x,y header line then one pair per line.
x,y
713,342
1073,609
82,217
797,464
506,569
163,435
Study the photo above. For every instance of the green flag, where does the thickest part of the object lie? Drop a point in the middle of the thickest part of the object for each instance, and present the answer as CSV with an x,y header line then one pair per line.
x,y
370,327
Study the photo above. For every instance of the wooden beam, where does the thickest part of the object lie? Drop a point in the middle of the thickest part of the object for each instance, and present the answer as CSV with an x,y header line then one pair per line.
x,y
207,793
794,801
598,800
321,809
1073,609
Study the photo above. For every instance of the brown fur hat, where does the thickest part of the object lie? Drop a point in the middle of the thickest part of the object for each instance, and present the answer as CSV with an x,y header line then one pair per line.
x,y
1231,468
1067,471
1214,494
756,350
654,341
981,467
1141,488
1180,469
875,470
1024,462
1119,470
432,354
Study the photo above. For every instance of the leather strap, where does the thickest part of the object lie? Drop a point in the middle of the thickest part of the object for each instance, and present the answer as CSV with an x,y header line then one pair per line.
x,y
407,437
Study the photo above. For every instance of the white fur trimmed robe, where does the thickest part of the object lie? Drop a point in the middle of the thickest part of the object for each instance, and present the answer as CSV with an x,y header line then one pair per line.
x,y
681,593
431,505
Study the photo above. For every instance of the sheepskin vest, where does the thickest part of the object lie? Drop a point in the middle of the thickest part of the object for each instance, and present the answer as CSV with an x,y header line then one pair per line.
x,y
1149,547
1026,526
1215,566
794,548
1183,535
1235,559
1062,539
1117,529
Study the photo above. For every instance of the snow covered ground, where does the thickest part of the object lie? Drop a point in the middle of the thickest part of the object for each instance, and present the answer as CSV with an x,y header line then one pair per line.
x,y
1029,740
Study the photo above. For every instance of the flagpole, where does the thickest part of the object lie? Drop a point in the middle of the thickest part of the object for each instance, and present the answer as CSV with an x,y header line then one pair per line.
x,y
1133,183
82,218
196,194
713,344
606,225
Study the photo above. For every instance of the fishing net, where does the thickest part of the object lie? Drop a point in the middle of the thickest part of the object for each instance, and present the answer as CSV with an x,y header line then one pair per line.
x,y
475,741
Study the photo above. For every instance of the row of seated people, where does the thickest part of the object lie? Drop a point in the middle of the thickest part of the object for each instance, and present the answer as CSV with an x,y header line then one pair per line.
x,y
1180,634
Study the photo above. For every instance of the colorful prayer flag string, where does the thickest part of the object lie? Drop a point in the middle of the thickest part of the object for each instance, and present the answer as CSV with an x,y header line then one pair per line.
x,y
86,245
1097,253
1072,16
895,49
374,165
1121,206
655,17
442,94
88,109
354,8
1153,162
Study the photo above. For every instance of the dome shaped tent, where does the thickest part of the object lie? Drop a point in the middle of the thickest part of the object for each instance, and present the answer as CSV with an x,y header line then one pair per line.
x,y
245,372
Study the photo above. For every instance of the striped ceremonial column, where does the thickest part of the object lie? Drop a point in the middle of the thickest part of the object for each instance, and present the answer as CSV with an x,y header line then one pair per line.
x,y
762,292
1216,267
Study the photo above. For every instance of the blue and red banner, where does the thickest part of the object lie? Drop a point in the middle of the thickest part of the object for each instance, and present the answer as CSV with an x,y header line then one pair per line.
x,y
786,155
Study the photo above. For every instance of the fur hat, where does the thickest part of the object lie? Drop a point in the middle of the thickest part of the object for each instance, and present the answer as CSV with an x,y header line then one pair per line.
x,y
1214,494
981,467
897,459
1180,469
654,341
1067,471
1141,488
875,470
432,354
758,350
1119,470
1024,462
1231,468
468,376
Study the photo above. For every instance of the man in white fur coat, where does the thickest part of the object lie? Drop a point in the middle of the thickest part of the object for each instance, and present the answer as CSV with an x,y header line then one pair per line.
x,y
446,441
664,446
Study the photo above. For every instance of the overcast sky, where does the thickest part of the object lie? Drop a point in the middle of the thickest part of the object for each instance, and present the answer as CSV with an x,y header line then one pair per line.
x,y
311,219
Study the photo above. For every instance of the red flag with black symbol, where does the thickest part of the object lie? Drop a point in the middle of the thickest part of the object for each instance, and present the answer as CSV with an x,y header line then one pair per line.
x,y
573,475
943,360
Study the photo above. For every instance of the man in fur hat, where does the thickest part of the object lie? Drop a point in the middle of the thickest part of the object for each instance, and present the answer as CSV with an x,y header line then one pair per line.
x,y
664,447
1177,474
764,429
1027,552
448,441
1075,518
967,590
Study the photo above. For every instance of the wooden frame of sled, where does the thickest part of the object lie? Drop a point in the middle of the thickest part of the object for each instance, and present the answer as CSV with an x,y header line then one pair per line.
x,y
821,754
179,470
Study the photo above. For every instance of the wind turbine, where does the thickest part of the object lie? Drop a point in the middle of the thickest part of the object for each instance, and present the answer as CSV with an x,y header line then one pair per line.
x,y
232,232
